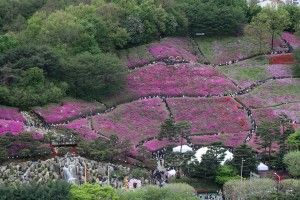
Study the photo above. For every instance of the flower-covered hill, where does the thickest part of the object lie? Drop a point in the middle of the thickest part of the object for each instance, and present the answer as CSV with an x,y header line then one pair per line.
x,y
272,93
210,115
135,121
165,80
11,120
178,80
170,49
68,110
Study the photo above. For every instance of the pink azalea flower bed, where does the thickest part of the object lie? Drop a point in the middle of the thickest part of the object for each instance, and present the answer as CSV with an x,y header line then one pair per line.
x,y
11,126
155,144
273,93
182,79
81,127
67,110
210,115
255,144
264,114
291,39
280,70
228,140
175,48
133,121
292,110
10,113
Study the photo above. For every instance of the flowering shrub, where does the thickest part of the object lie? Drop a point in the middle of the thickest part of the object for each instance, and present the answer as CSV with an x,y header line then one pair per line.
x,y
291,39
264,114
10,126
68,110
37,136
10,113
255,143
155,145
210,115
228,139
292,110
134,121
183,79
172,48
272,93
282,59
81,126
279,70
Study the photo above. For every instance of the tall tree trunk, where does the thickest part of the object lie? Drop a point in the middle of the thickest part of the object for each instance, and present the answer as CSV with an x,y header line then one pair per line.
x,y
273,35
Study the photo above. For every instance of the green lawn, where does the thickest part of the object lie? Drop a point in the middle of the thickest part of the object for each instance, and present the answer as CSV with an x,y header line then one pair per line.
x,y
249,70
218,49
199,184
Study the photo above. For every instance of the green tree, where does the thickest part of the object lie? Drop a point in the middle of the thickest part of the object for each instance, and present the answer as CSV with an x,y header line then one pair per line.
x,y
294,14
27,56
293,141
102,150
65,31
215,17
276,21
292,160
209,164
225,173
93,76
260,188
175,131
248,156
7,42
286,129
32,90
269,132
167,129
259,33
296,68
92,192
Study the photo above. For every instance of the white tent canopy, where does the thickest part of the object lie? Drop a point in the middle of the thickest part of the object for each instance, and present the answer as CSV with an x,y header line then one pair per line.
x,y
185,148
262,167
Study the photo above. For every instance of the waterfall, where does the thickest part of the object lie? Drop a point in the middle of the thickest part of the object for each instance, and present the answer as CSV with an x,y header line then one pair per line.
x,y
69,174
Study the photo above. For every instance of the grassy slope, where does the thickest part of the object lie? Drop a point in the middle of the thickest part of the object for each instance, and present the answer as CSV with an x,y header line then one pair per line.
x,y
249,70
230,45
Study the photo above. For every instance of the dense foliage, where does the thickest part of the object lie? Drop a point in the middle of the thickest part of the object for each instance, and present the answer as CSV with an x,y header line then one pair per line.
x,y
92,192
61,190
58,190
245,156
292,160
74,41
209,164
169,192
24,145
